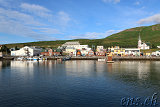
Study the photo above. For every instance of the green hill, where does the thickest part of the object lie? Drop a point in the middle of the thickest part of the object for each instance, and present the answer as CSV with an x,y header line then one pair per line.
x,y
126,38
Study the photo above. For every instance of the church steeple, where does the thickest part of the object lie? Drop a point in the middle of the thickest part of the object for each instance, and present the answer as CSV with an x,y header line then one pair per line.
x,y
139,42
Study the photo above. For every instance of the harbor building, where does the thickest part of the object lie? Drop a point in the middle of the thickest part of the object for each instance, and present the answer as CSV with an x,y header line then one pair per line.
x,y
27,51
51,52
99,48
132,52
1,54
100,51
117,51
71,51
73,47
157,53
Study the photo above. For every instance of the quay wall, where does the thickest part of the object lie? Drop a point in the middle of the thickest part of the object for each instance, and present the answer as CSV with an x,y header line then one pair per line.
x,y
136,58
96,58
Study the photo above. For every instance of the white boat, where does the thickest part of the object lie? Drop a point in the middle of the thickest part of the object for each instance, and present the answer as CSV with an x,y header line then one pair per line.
x,y
35,59
101,59
30,59
20,58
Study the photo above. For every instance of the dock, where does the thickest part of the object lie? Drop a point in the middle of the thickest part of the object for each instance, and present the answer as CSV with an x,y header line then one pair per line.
x,y
136,58
96,58
79,58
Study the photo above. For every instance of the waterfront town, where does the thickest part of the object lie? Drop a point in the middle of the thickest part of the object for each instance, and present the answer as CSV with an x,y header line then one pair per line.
x,y
75,49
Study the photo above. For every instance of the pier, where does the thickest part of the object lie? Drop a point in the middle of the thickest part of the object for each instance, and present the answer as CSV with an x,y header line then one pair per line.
x,y
114,58
79,58
136,58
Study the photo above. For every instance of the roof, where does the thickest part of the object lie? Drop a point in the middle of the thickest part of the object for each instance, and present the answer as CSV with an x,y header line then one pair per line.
x,y
70,48
132,49
71,43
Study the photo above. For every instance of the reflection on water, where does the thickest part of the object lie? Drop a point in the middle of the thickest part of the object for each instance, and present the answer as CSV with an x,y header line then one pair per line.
x,y
77,82
0,65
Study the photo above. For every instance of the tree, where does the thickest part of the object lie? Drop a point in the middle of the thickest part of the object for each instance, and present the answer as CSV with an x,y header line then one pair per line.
x,y
153,46
16,48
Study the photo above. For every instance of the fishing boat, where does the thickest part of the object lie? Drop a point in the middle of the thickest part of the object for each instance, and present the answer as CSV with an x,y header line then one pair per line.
x,y
30,58
101,59
35,59
20,59
109,59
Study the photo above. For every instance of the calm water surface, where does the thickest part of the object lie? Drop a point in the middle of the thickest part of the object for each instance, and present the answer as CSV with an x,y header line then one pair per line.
x,y
76,83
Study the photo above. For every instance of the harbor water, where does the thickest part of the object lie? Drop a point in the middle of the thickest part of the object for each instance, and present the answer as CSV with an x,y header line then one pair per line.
x,y
76,83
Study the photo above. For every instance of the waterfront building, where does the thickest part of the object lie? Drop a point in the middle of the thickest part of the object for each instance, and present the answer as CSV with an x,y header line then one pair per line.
x,y
90,53
84,52
1,47
51,52
157,53
101,53
132,52
76,45
142,45
119,51
73,47
71,51
26,51
71,44
1,54
148,53
112,48
99,48
78,53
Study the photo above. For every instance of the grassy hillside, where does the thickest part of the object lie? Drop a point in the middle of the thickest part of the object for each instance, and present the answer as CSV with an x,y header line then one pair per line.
x,y
126,38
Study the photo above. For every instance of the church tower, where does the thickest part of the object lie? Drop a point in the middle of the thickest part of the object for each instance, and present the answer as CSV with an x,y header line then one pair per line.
x,y
139,42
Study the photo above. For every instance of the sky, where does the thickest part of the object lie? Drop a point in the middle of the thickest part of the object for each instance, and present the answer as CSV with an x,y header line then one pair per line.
x,y
48,20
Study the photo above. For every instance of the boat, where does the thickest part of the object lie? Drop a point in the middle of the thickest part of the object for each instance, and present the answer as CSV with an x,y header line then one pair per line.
x,y
35,59
109,59
30,58
20,59
101,59
66,58
110,62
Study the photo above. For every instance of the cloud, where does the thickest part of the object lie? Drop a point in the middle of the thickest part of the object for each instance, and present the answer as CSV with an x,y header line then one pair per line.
x,y
152,19
137,3
29,20
62,19
95,35
36,9
114,1
19,17
3,3
48,30
21,24
16,28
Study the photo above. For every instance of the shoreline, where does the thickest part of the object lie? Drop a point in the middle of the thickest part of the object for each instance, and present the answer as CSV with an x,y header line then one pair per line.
x,y
96,58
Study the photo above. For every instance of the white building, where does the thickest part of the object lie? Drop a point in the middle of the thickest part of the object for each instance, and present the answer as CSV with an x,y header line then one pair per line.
x,y
157,53
99,48
71,44
132,51
26,51
76,45
71,51
1,54
142,45
158,47
72,47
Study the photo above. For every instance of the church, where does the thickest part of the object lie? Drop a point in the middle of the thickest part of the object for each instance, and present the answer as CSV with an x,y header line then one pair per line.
x,y
142,45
